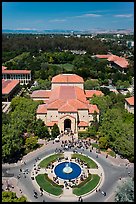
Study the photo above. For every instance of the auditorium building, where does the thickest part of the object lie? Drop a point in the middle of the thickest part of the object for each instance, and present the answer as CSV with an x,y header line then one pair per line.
x,y
67,103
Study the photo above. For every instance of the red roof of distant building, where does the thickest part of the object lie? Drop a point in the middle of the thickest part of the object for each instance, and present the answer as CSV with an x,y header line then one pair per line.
x,y
42,109
82,124
121,61
50,124
3,68
8,85
16,71
67,78
41,94
103,56
91,93
93,108
130,100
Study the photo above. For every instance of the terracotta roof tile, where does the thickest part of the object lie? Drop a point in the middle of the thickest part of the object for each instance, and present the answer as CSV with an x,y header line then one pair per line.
x,y
42,109
103,56
82,124
3,68
90,93
93,108
51,123
41,94
9,85
67,108
56,104
121,61
130,100
67,78
16,71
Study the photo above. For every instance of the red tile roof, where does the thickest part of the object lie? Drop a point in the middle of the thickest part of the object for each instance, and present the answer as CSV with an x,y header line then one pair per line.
x,y
93,108
67,78
67,92
16,71
50,124
103,56
41,94
121,61
69,99
90,93
3,68
82,124
42,109
130,100
67,108
8,85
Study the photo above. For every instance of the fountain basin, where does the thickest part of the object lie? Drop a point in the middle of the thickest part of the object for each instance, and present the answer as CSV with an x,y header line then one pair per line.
x,y
66,171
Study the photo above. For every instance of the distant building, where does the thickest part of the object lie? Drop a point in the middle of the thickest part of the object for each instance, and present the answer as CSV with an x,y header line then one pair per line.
x,y
114,61
91,93
78,52
130,43
24,76
129,104
9,89
66,104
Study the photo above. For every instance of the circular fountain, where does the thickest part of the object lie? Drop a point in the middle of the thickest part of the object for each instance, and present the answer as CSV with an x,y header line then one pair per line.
x,y
67,170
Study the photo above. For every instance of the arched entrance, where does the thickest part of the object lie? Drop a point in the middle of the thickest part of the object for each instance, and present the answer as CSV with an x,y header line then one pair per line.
x,y
67,124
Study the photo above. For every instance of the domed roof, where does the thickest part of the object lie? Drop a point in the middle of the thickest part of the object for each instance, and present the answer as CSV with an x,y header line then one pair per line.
x,y
67,78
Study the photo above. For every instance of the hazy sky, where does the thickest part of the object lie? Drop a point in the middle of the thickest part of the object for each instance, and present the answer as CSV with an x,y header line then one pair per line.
x,y
68,15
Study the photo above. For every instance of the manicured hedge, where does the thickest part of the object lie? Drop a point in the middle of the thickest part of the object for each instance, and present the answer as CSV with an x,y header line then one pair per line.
x,y
48,185
87,187
90,163
45,162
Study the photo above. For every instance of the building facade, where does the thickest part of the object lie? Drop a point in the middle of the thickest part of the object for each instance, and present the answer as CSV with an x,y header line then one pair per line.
x,y
117,62
129,104
66,104
24,76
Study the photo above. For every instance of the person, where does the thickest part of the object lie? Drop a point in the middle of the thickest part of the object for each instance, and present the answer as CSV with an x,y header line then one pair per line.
x,y
79,198
96,189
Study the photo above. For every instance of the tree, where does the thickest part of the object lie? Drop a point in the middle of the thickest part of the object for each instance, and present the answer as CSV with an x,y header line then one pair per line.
x,y
40,129
8,196
55,131
103,142
31,142
125,192
91,84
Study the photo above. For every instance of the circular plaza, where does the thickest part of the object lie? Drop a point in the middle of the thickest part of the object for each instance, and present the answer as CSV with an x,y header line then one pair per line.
x,y
67,173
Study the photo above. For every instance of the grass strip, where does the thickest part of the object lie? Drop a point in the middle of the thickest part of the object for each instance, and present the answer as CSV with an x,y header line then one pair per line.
x,y
90,163
87,187
48,185
45,162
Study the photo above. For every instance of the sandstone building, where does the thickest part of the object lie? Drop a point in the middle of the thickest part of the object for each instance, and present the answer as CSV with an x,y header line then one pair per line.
x,y
67,104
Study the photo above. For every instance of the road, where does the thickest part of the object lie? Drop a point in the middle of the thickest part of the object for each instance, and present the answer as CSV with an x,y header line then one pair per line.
x,y
111,172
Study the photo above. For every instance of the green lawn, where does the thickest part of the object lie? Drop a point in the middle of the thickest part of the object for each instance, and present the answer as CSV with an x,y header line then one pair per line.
x,y
90,163
87,187
45,162
48,185
66,66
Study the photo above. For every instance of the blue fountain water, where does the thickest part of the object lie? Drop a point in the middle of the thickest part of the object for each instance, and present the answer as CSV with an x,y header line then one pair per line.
x,y
67,170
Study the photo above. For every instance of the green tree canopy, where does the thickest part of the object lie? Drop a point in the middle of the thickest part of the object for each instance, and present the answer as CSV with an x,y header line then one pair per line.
x,y
125,192
55,131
